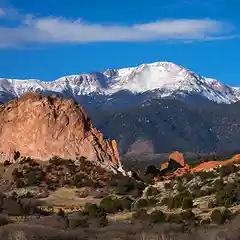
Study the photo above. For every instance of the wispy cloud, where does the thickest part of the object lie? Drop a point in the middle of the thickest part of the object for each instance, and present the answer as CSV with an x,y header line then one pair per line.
x,y
59,30
2,12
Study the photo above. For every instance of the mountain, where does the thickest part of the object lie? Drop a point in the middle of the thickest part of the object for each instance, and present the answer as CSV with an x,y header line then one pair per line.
x,y
166,125
155,108
155,80
44,127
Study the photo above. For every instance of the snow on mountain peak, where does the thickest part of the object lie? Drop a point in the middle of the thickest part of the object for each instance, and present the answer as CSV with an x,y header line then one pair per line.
x,y
168,78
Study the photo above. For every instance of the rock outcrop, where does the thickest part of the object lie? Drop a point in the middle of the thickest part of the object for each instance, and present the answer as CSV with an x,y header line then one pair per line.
x,y
43,127
175,161
211,165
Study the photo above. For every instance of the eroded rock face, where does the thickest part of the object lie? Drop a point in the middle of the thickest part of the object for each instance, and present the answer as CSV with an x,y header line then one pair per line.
x,y
43,127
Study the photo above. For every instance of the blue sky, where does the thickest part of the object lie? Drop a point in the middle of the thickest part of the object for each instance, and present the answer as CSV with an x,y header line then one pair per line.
x,y
48,39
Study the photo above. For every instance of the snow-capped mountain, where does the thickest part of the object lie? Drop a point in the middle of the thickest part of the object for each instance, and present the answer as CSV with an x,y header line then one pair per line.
x,y
164,79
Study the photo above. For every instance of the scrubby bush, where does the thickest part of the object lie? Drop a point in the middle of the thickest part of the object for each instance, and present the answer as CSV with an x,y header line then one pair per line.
x,y
82,180
152,191
6,163
157,216
164,201
140,214
17,174
211,204
61,213
32,178
219,217
50,100
110,205
168,185
103,221
218,185
16,155
143,203
227,196
227,214
188,176
188,215
187,203
174,218
94,211
125,185
174,202
180,187
227,169
177,200
204,175
4,220
125,203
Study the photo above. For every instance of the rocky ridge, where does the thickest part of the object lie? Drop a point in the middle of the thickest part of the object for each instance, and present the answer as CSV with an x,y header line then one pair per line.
x,y
43,127
161,79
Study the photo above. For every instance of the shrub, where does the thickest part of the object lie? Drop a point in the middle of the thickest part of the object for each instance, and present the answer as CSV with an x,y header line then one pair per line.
x,y
111,205
16,155
6,163
142,203
32,178
168,185
81,180
180,187
174,218
94,211
164,201
171,203
103,221
140,214
218,185
17,174
61,213
227,169
188,215
152,191
125,185
4,220
50,100
188,176
187,203
227,196
19,183
210,204
156,216
136,193
227,214
217,217
206,175
125,203
176,201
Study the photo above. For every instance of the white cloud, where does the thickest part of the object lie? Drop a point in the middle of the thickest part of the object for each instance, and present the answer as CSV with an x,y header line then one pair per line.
x,y
2,13
59,30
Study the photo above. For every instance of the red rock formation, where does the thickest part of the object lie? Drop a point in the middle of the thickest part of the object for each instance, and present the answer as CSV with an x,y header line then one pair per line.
x,y
210,165
176,157
44,127
183,167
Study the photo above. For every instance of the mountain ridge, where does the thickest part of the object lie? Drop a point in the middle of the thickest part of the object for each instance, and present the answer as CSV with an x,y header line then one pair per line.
x,y
164,79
